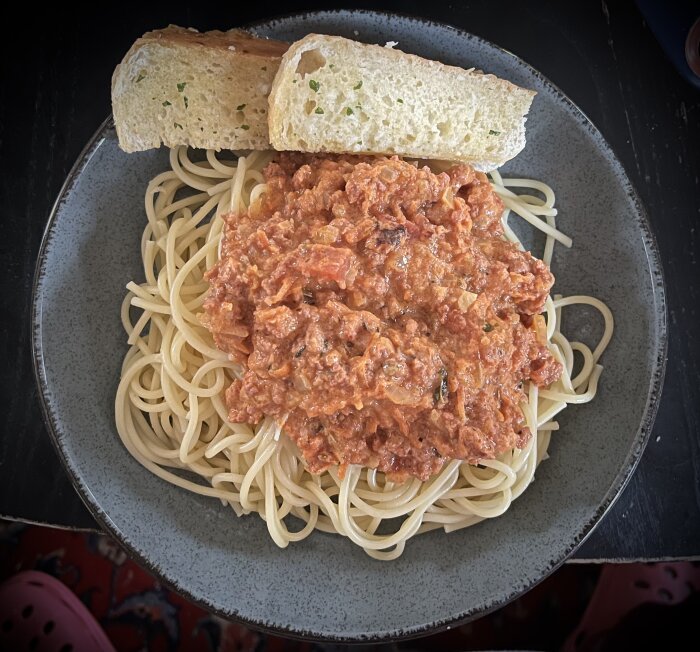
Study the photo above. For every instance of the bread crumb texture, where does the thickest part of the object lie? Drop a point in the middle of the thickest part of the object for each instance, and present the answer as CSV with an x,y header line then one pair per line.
x,y
180,87
337,95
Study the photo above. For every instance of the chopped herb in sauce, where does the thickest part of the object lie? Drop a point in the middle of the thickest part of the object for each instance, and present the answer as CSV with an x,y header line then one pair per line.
x,y
493,132
245,127
441,390
187,102
166,103
300,351
348,111
318,110
141,76
357,86
488,328
314,85
178,125
399,100
392,237
263,68
240,107
181,86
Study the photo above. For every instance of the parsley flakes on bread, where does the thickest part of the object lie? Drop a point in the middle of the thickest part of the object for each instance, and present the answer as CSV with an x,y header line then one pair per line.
x,y
177,86
232,90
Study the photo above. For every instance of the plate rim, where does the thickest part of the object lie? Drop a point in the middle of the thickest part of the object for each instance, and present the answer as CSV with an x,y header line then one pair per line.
x,y
622,478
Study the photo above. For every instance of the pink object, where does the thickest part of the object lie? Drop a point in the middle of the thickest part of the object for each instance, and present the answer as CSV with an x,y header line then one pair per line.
x,y
37,612
622,587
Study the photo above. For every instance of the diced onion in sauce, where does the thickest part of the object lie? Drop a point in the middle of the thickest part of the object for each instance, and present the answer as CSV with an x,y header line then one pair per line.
x,y
399,395
465,300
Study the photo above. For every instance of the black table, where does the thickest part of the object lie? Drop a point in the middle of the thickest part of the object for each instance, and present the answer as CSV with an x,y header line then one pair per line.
x,y
54,93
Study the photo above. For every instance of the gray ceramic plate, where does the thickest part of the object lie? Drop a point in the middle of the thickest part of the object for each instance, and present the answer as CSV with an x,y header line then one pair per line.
x,y
325,587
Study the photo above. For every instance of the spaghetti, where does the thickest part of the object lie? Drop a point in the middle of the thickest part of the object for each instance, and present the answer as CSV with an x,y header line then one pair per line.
x,y
169,408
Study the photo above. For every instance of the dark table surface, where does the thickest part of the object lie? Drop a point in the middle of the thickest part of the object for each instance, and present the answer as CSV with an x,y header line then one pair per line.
x,y
54,92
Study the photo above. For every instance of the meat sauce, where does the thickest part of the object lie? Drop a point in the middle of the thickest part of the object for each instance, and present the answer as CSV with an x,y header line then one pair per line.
x,y
377,305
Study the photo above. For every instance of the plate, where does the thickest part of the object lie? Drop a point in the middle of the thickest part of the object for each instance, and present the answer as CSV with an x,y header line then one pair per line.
x,y
325,587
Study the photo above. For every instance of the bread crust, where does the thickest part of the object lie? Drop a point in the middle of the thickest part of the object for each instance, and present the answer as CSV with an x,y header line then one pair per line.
x,y
233,40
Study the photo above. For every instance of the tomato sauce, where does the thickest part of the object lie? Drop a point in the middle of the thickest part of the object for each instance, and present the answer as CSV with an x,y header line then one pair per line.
x,y
377,305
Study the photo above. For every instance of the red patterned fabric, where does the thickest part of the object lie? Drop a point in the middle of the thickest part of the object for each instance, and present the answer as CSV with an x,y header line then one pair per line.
x,y
138,613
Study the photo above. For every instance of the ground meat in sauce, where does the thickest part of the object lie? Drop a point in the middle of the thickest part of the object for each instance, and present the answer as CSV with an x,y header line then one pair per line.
x,y
377,304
